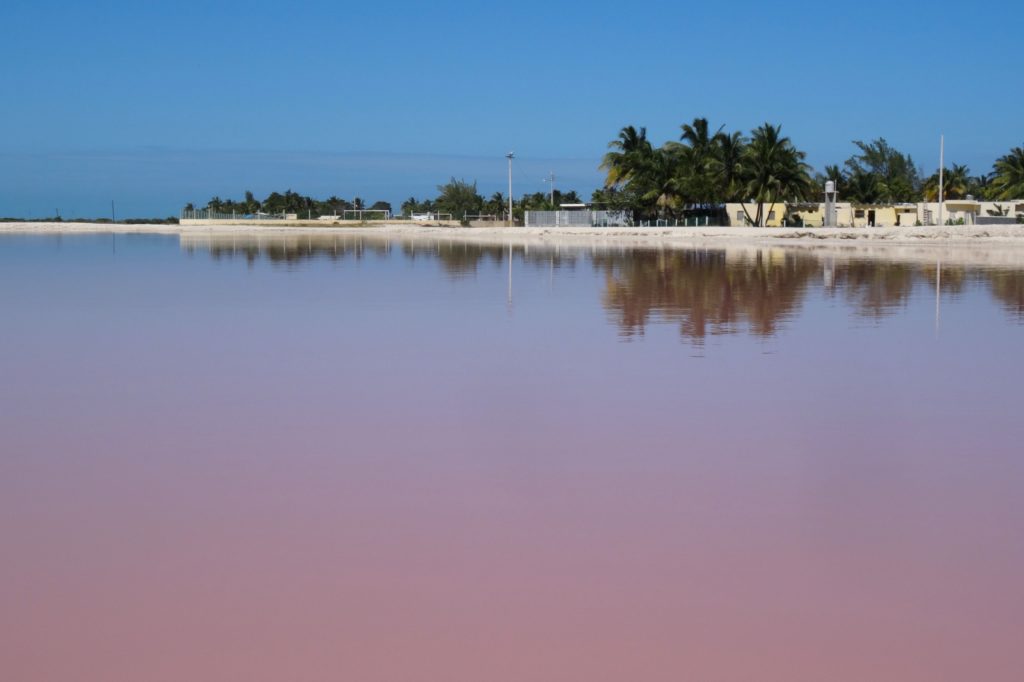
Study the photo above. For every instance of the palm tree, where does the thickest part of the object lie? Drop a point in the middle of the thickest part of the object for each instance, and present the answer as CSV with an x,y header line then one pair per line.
x,y
834,174
627,153
727,166
497,205
657,183
954,186
696,155
980,186
862,186
774,171
1008,175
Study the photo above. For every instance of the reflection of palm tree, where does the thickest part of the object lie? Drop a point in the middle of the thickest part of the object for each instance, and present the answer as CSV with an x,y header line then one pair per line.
x,y
1008,287
877,288
702,291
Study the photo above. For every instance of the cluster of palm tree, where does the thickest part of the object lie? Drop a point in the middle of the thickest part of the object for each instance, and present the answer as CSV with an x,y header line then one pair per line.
x,y
702,171
287,202
879,174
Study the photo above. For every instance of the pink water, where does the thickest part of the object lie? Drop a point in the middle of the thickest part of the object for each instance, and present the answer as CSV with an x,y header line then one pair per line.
x,y
352,460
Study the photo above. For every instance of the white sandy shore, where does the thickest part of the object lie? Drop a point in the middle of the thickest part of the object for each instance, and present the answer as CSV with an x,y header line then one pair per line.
x,y
989,236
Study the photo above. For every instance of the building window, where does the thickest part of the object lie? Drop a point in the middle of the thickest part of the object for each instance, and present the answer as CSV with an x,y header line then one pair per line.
x,y
739,216
859,213
771,215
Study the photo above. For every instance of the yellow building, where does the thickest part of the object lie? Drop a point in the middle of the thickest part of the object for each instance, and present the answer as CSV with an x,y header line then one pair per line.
x,y
884,215
955,211
773,214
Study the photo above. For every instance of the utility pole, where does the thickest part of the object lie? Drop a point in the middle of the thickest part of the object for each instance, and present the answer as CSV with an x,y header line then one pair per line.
x,y
113,216
510,156
942,169
551,178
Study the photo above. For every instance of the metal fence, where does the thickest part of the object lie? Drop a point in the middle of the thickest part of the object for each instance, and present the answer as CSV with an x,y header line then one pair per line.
x,y
578,218
207,214
997,220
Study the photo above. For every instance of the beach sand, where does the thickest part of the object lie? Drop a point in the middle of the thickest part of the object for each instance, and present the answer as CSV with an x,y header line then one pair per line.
x,y
989,243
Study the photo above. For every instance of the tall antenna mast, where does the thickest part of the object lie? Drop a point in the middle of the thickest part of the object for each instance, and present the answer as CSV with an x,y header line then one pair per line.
x,y
510,156
551,179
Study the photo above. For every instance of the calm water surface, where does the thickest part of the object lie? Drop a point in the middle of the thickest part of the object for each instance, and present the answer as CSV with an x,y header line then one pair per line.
x,y
341,459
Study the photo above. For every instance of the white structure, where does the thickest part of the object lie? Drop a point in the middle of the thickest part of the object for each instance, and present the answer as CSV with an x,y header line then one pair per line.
x,y
831,197
578,217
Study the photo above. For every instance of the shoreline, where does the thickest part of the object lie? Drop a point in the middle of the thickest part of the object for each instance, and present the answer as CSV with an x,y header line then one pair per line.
x,y
987,237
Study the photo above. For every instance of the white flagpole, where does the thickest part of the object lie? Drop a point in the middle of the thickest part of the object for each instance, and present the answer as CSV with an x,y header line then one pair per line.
x,y
942,170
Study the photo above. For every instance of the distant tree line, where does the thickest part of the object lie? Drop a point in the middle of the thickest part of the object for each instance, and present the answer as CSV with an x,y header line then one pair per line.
x,y
288,202
169,220
460,199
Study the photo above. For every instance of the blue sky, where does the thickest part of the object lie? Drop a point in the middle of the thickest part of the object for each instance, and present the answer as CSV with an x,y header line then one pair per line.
x,y
157,105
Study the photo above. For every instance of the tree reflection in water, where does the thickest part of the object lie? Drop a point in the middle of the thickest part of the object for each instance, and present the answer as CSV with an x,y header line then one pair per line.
x,y
1008,288
705,292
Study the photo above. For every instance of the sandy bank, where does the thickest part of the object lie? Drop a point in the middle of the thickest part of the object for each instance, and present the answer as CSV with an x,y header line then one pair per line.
x,y
1009,236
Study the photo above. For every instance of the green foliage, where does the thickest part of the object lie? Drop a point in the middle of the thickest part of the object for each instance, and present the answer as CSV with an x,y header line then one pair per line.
x,y
861,187
955,184
286,202
880,174
459,198
774,171
702,171
1008,176
170,220
893,177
